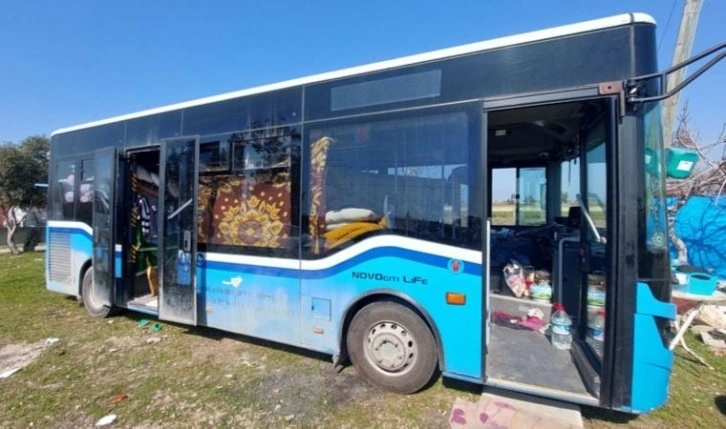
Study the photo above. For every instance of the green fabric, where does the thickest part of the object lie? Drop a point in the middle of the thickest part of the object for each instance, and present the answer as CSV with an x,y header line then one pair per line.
x,y
145,251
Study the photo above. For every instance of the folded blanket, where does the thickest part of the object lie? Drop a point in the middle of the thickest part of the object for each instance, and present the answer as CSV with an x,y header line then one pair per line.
x,y
348,232
332,226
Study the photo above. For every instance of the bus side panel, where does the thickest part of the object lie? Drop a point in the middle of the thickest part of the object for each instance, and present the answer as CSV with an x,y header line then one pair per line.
x,y
69,247
238,294
423,277
652,361
258,301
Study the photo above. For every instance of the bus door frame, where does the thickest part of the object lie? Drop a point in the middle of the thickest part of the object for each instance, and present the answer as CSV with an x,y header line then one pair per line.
x,y
531,100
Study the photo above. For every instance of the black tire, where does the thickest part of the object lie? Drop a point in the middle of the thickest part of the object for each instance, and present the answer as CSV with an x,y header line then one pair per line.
x,y
87,295
392,348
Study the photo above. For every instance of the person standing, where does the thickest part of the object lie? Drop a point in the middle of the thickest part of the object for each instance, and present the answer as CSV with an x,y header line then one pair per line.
x,y
34,223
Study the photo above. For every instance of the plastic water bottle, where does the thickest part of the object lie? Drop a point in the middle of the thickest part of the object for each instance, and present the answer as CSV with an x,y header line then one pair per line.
x,y
596,330
561,328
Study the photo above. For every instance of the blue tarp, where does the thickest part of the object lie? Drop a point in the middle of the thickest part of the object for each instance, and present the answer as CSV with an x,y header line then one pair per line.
x,y
701,224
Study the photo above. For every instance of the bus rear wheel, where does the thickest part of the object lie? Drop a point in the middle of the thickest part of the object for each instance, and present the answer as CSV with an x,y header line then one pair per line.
x,y
392,348
88,295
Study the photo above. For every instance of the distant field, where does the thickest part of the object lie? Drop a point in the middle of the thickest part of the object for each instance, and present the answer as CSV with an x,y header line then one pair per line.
x,y
505,214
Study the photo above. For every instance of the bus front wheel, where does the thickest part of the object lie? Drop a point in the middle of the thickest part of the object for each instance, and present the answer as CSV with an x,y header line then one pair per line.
x,y
88,295
392,348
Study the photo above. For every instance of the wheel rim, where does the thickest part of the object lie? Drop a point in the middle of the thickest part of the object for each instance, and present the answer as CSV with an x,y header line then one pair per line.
x,y
390,348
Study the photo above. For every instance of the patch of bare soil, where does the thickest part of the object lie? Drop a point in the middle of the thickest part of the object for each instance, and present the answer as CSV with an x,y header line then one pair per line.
x,y
223,351
115,344
14,357
306,395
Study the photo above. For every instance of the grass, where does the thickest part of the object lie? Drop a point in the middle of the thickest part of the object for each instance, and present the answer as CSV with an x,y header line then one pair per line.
x,y
697,395
201,377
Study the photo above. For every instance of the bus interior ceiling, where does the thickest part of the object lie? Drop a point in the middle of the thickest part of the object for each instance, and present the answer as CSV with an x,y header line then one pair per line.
x,y
536,135
542,137
142,204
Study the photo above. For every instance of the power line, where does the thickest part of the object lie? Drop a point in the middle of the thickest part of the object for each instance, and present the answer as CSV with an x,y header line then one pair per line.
x,y
668,22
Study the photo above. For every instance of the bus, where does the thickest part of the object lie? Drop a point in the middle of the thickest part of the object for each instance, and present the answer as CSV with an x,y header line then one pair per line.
x,y
399,216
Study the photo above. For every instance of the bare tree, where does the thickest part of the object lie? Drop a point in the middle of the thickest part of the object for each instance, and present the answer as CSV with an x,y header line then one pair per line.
x,y
709,177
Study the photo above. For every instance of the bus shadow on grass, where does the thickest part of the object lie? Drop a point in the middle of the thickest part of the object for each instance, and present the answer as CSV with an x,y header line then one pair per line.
x,y
611,416
219,335
333,369
344,364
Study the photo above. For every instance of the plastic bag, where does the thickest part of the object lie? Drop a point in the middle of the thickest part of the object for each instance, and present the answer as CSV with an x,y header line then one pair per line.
x,y
514,278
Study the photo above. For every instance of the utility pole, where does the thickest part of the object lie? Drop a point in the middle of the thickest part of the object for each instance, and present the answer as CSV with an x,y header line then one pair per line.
x,y
684,44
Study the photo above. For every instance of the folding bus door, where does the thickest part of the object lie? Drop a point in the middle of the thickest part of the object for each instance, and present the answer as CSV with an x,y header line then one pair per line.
x,y
178,241
536,135
103,225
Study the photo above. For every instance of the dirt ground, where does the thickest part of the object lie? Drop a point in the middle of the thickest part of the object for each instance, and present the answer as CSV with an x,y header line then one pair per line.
x,y
14,357
194,378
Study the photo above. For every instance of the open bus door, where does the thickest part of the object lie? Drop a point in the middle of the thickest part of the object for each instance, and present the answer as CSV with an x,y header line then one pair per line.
x,y
178,238
103,223
587,134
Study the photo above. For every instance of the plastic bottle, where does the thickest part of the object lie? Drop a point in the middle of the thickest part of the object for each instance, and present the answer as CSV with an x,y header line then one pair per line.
x,y
561,328
596,329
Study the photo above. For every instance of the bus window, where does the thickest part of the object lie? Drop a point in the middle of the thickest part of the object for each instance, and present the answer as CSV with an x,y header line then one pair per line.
x,y
399,176
214,155
84,208
570,186
596,184
519,196
504,196
252,207
531,205
63,197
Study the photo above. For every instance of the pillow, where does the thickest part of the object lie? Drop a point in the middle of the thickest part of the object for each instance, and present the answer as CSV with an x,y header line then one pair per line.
x,y
349,215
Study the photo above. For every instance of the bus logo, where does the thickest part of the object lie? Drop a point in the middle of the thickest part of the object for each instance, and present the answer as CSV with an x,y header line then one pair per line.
x,y
456,266
235,282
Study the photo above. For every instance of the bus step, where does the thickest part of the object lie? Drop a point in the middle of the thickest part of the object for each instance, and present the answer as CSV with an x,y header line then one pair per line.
x,y
584,362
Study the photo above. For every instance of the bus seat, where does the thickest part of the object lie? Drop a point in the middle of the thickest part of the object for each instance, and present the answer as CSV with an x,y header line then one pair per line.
x,y
574,217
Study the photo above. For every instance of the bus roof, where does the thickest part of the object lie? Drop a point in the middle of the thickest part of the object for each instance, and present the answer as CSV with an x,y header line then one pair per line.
x,y
518,39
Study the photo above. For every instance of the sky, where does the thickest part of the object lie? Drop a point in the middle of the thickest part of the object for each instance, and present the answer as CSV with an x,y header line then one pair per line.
x,y
67,63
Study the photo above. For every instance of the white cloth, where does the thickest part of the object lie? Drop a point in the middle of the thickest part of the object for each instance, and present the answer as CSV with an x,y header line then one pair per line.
x,y
349,215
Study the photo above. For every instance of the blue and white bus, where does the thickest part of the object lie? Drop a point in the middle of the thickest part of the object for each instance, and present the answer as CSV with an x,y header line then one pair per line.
x,y
359,213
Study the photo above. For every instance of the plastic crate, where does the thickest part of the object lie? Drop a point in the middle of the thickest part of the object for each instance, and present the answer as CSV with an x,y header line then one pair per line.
x,y
680,162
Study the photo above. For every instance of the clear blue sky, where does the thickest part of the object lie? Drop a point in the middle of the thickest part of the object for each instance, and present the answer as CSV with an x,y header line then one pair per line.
x,y
65,63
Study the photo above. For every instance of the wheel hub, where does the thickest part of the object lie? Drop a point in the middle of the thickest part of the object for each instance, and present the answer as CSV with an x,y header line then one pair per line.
x,y
390,347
